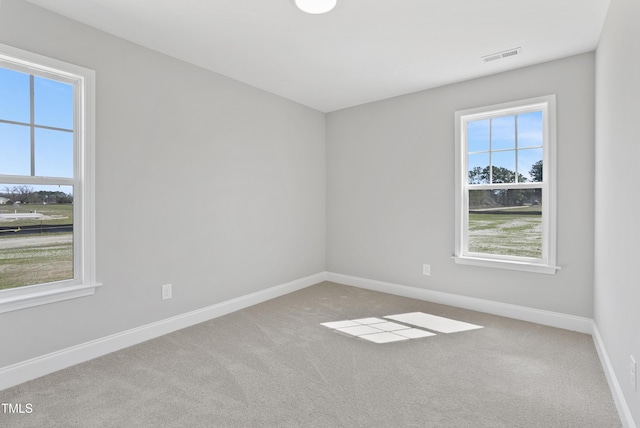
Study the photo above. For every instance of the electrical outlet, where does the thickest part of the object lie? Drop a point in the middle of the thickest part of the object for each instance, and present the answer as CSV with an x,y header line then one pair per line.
x,y
426,270
633,379
167,292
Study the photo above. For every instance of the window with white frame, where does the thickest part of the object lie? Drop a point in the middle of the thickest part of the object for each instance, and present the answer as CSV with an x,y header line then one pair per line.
x,y
46,180
505,184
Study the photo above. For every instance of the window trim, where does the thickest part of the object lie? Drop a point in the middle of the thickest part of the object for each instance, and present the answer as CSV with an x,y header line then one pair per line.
x,y
546,264
84,282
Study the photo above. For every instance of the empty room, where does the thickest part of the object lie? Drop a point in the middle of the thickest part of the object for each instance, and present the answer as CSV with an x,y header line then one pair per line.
x,y
319,213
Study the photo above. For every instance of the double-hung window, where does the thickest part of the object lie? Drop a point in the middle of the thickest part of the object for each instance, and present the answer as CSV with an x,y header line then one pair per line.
x,y
46,180
505,186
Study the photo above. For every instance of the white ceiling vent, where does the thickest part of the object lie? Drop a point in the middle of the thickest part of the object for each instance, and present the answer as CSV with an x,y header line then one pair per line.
x,y
503,54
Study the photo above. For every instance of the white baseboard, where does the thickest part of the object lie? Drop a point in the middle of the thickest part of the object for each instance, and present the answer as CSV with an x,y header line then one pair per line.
x,y
538,316
614,385
27,370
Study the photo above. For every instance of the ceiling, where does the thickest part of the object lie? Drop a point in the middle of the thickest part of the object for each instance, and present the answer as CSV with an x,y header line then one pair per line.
x,y
362,51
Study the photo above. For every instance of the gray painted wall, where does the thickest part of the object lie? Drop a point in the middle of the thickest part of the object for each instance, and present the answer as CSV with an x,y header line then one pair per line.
x,y
203,182
617,293
390,190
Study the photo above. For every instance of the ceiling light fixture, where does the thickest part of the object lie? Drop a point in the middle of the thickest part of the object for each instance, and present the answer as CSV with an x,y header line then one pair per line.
x,y
316,6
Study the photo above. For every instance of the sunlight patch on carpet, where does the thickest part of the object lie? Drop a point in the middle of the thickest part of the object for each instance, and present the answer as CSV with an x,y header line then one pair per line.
x,y
379,330
433,322
384,337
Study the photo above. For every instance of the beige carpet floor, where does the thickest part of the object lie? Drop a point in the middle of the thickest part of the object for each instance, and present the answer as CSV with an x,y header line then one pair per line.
x,y
274,365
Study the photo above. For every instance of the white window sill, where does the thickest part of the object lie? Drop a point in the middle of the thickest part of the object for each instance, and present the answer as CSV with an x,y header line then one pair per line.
x,y
506,264
18,298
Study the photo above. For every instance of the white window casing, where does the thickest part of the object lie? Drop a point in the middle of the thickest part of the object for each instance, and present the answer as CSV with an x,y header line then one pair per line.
x,y
83,181
462,255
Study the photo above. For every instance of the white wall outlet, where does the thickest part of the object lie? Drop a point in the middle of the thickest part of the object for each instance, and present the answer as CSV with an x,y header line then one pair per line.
x,y
633,379
426,269
167,292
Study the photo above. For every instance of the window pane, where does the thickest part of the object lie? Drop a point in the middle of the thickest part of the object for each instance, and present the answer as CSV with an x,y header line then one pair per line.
x,y
53,153
504,166
14,96
478,165
530,164
505,222
503,133
478,135
530,129
15,149
36,234
53,103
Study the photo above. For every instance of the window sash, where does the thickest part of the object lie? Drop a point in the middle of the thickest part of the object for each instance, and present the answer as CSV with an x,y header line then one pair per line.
x,y
544,216
36,180
32,124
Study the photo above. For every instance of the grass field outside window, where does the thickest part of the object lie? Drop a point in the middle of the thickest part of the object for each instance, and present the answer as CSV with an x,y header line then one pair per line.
x,y
506,234
35,258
